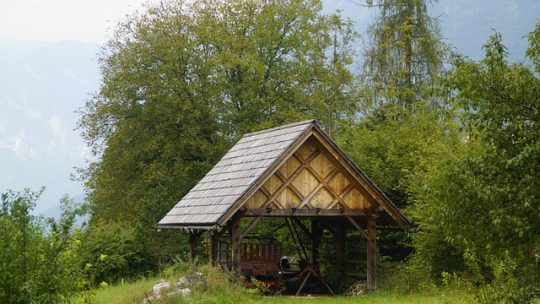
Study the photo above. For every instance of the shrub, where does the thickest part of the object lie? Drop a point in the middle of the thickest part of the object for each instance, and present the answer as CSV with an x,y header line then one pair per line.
x,y
38,263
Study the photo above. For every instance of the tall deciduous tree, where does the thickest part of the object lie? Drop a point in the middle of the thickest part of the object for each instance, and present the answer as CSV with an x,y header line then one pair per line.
x,y
183,80
487,201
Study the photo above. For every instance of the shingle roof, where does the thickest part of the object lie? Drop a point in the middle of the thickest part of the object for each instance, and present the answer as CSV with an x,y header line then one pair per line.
x,y
233,175
245,166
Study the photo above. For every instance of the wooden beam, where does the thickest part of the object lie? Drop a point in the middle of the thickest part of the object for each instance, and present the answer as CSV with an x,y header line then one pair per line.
x,y
365,185
302,212
327,187
342,194
236,242
310,196
291,186
372,254
267,174
250,226
290,179
268,194
302,226
303,283
319,187
357,226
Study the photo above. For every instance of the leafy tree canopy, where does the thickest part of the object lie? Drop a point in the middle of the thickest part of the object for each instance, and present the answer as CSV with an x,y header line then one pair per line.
x,y
183,80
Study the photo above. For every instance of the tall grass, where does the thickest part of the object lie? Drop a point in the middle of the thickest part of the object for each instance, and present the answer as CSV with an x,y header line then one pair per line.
x,y
219,287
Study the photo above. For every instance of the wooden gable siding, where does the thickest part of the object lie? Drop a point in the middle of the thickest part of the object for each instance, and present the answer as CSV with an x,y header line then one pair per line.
x,y
310,179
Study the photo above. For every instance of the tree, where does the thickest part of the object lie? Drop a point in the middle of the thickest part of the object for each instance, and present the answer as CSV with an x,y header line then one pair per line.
x,y
399,125
405,55
183,80
40,263
487,201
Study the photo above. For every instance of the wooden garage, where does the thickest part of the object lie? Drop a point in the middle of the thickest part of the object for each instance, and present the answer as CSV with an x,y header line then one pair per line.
x,y
295,172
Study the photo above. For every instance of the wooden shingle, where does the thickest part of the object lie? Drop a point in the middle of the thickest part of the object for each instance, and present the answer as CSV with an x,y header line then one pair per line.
x,y
253,175
207,202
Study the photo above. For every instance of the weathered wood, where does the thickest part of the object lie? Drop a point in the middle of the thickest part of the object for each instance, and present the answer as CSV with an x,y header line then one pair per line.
x,y
306,199
289,180
357,226
342,194
293,189
371,254
365,184
302,226
328,188
303,212
305,133
303,283
212,248
251,226
236,242
315,242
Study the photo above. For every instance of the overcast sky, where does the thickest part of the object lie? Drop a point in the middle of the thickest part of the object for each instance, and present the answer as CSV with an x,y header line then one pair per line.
x,y
57,20
42,85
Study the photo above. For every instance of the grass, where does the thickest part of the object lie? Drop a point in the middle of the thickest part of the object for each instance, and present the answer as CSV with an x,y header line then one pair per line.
x,y
136,291
127,293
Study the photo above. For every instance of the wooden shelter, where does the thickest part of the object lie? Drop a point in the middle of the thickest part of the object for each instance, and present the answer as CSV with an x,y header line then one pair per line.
x,y
290,171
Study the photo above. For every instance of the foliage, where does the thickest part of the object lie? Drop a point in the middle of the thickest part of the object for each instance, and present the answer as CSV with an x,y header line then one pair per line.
x,y
485,202
403,120
135,292
109,253
40,264
183,80
405,55
395,153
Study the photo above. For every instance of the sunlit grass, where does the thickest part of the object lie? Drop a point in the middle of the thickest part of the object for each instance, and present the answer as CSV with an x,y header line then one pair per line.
x,y
135,292
126,293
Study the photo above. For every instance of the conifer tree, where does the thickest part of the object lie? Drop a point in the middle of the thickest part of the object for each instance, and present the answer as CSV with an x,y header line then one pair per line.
x,y
404,56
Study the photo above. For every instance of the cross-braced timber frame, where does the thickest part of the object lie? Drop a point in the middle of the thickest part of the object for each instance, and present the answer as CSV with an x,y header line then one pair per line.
x,y
294,171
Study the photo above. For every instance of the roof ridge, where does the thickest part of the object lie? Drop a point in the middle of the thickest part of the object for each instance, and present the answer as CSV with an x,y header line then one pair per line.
x,y
294,124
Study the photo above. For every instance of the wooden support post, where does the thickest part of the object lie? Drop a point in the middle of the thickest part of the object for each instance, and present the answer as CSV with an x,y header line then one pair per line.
x,y
212,248
236,242
371,253
193,245
315,242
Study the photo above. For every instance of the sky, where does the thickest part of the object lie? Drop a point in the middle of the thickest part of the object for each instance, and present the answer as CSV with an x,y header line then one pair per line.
x,y
48,70
57,20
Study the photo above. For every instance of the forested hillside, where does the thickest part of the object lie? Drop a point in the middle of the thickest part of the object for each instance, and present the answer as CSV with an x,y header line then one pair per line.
x,y
452,141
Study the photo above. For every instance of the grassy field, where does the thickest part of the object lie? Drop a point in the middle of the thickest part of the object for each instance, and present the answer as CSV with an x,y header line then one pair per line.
x,y
136,291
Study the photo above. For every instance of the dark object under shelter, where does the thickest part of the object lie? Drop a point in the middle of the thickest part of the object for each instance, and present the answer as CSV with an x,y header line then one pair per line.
x,y
292,171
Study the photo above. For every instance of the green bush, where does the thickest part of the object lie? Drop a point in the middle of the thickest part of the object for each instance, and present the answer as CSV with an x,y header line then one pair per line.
x,y
110,252
39,263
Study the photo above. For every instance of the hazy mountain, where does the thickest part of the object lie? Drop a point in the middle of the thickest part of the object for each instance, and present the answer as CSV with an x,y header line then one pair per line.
x,y
43,84
56,212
